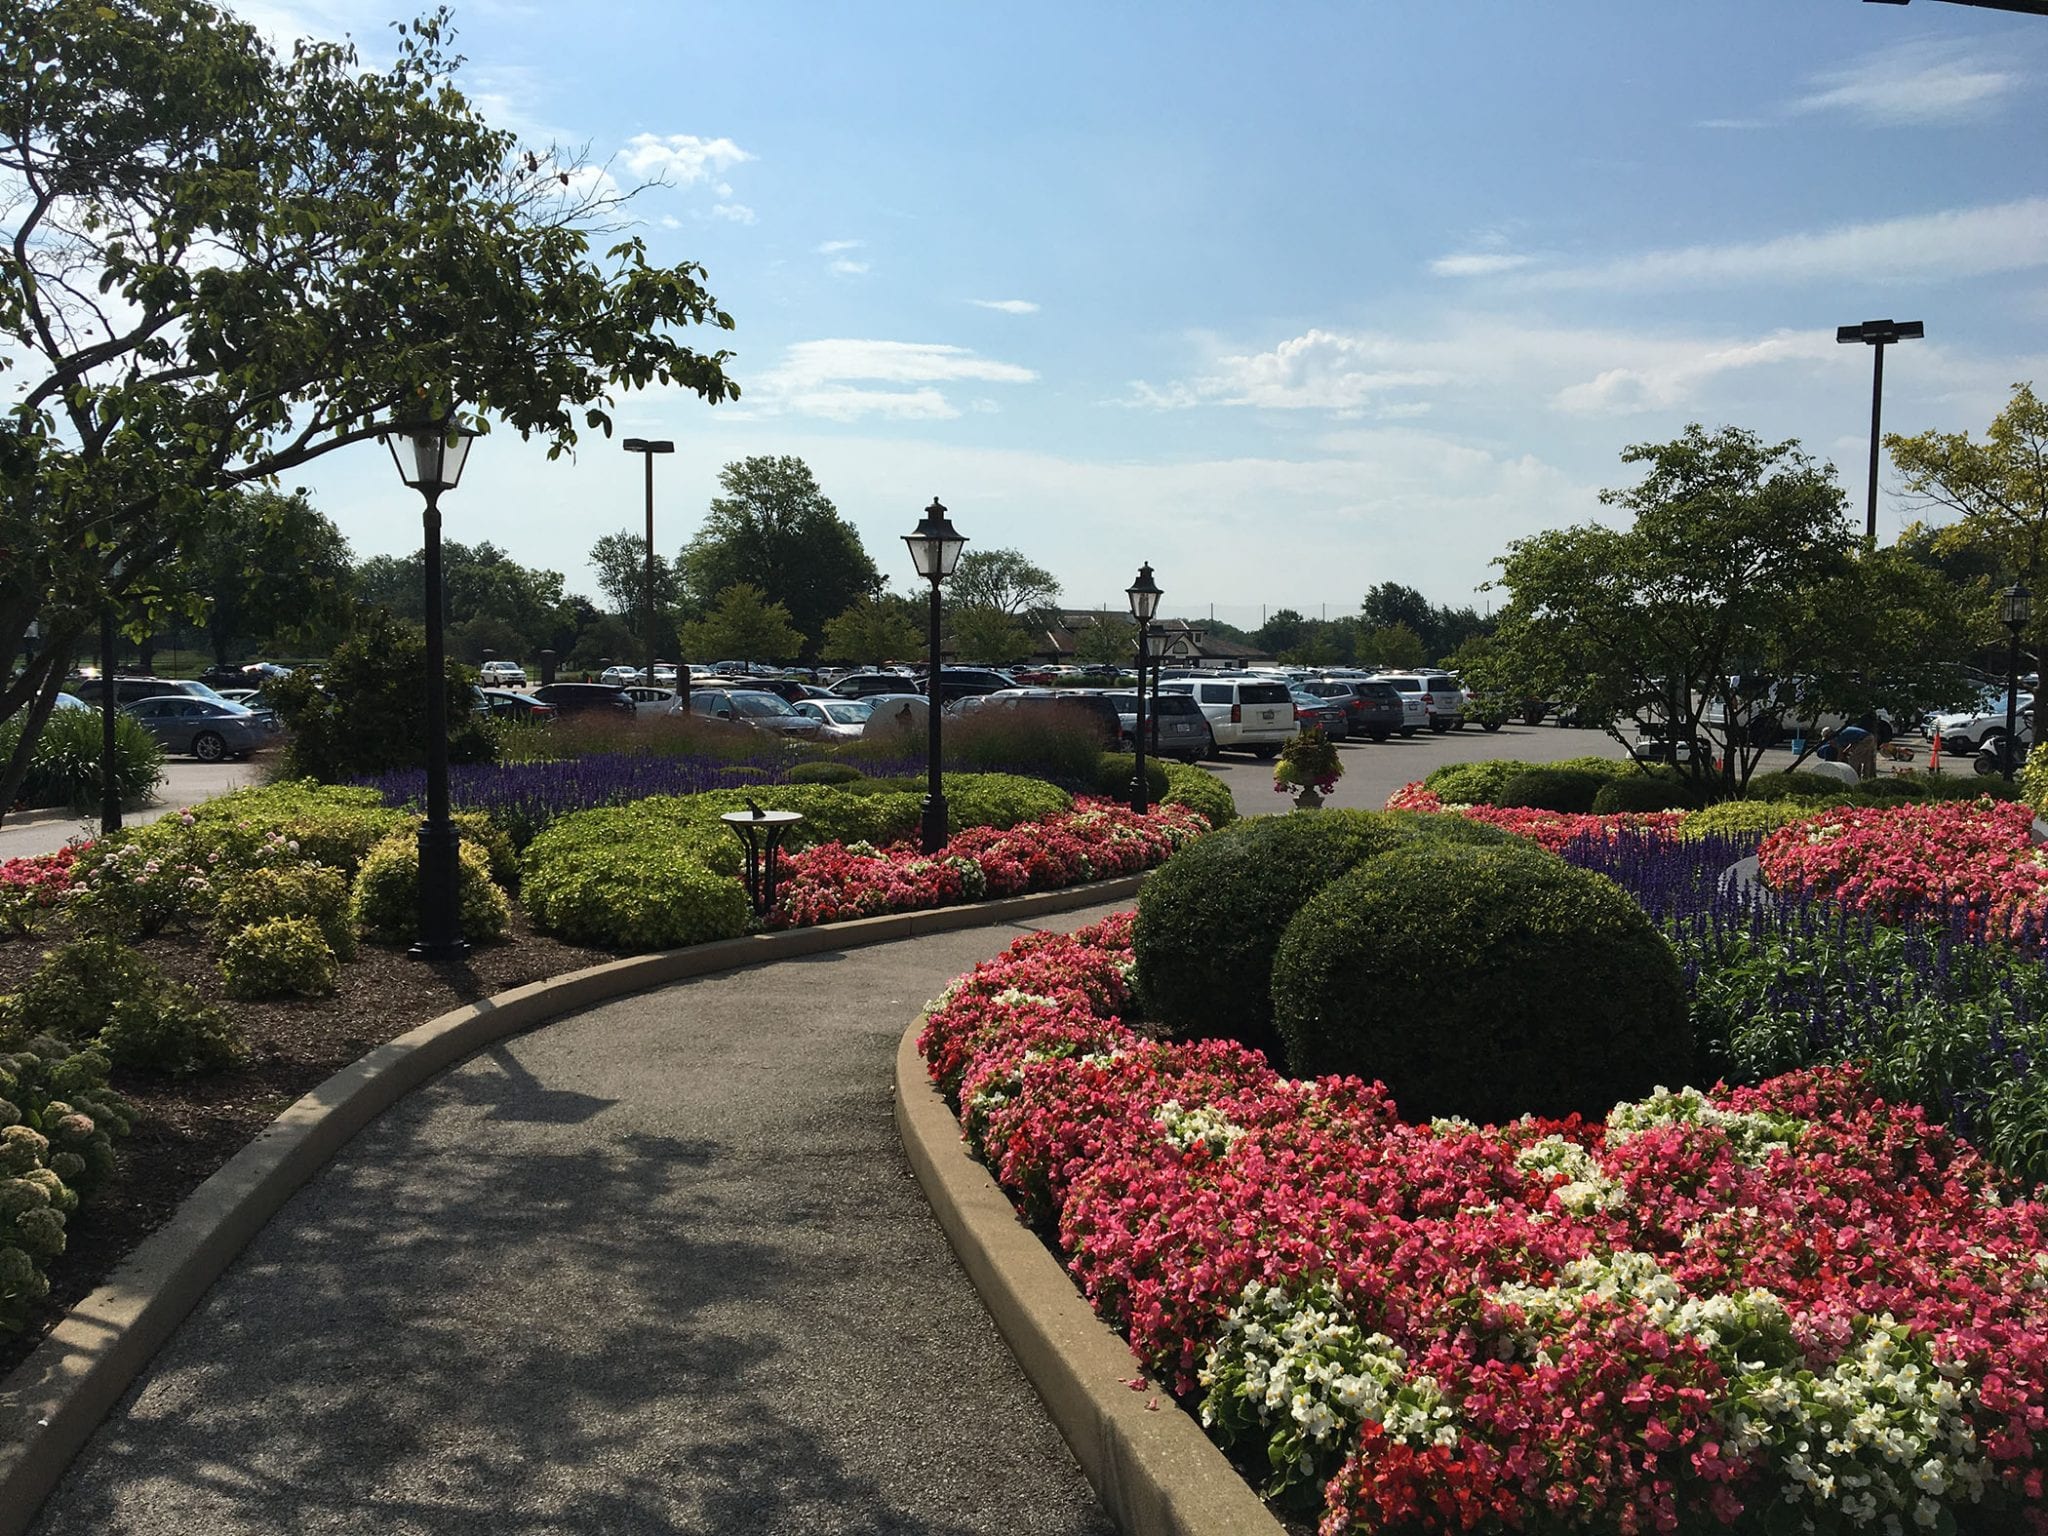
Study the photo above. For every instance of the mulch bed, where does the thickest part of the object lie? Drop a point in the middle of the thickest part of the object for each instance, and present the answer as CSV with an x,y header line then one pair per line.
x,y
186,1130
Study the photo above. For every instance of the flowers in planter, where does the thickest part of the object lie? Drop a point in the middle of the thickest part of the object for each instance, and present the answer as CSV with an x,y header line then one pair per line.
x,y
1793,1306
1309,761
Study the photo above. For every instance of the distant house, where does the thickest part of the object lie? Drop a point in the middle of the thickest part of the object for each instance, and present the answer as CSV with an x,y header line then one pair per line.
x,y
1176,642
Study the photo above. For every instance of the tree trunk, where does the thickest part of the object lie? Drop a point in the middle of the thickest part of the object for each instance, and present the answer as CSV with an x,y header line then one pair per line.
x,y
32,721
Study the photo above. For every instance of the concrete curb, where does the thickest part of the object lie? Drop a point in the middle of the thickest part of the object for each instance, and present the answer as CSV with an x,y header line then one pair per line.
x,y
1154,1470
52,1403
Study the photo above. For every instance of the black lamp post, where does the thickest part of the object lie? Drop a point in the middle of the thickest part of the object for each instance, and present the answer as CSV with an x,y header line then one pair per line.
x,y
1144,596
2015,610
648,448
934,550
1877,335
429,459
110,785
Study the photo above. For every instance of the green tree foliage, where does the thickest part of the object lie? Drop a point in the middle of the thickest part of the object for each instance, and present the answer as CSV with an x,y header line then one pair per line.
x,y
1740,567
1004,580
225,263
478,581
620,560
987,635
272,570
874,629
775,530
1282,631
368,713
1393,645
1112,640
743,626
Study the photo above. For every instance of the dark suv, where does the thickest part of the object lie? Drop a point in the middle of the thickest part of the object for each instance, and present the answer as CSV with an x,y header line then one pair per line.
x,y
580,698
954,682
1370,709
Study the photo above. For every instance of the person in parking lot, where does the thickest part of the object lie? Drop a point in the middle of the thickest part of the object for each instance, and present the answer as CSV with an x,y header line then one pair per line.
x,y
1852,744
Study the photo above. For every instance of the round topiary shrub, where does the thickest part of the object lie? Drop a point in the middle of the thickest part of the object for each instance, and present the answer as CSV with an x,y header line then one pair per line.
x,y
1569,790
279,957
1477,783
304,890
1115,770
1739,818
1799,786
1482,982
1641,793
1201,792
1211,917
823,773
385,905
639,897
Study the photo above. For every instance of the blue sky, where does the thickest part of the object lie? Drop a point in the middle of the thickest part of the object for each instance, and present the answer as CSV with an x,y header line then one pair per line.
x,y
1287,300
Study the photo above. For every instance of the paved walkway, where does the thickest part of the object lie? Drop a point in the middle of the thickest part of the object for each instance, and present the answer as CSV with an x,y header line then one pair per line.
x,y
657,1267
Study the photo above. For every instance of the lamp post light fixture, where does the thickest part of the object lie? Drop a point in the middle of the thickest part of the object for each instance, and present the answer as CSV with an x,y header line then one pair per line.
x,y
2015,612
1144,595
430,457
1877,335
647,448
934,549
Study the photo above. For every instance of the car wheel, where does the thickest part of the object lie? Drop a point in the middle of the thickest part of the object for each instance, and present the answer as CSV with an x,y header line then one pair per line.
x,y
1267,753
1458,724
208,747
1490,726
1439,727
1381,735
1407,731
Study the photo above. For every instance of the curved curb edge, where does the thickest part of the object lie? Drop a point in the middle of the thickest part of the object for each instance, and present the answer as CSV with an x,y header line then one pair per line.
x,y
54,1401
1151,1466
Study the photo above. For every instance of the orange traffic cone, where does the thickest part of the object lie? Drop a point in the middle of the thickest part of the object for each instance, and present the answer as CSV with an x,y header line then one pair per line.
x,y
1934,755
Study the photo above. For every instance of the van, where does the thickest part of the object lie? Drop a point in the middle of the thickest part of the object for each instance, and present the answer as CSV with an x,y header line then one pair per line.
x,y
1248,714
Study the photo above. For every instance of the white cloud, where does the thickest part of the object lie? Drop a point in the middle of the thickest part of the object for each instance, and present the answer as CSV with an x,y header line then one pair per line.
x,y
1914,83
1957,243
1007,306
1478,264
834,247
682,159
1740,124
824,378
733,213
843,403
846,268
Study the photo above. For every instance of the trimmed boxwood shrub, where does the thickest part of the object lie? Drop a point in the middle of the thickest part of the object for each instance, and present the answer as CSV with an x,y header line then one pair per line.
x,y
279,957
1000,800
823,773
1799,786
1735,818
1210,918
385,904
1482,982
1570,790
1482,783
635,898
99,990
1115,770
1639,792
333,824
305,890
1201,792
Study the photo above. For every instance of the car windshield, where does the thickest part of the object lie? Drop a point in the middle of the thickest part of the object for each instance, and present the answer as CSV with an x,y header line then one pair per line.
x,y
200,690
849,713
760,706
1126,703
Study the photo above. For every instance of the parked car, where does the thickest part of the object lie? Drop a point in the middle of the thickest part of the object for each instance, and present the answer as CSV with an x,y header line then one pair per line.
x,y
1417,710
208,729
1325,715
508,705
750,706
1972,730
1768,710
1076,703
838,719
1249,714
862,685
246,696
1174,725
583,698
654,701
1370,709
502,674
132,690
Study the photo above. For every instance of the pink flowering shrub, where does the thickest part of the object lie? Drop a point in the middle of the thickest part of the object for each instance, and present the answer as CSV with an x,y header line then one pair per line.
x,y
1791,1307
31,887
1918,861
1096,840
1554,830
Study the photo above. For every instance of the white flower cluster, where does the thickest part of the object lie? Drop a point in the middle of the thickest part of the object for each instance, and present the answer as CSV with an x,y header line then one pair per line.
x,y
1752,1138
1878,1438
1303,1371
1185,1127
1586,1190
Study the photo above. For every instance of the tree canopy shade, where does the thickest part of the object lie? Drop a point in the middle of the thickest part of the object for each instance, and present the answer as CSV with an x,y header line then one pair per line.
x,y
222,264
872,630
987,635
270,567
776,530
1741,569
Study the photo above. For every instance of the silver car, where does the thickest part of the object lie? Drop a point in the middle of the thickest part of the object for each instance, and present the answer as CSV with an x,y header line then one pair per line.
x,y
746,706
1183,730
204,728
839,719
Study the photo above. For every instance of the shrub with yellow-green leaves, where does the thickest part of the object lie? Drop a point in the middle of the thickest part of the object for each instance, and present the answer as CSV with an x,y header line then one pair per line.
x,y
385,904
98,990
300,890
279,957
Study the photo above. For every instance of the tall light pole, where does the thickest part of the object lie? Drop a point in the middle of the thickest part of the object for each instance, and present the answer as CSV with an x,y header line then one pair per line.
x,y
647,448
429,459
1144,596
2015,610
934,549
1877,335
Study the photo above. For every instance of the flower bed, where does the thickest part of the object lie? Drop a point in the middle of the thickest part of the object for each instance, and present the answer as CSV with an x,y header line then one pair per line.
x,y
1096,840
1918,861
1554,830
1792,1307
31,887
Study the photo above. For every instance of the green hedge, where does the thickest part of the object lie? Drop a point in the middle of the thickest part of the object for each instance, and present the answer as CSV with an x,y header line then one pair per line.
x,y
1737,817
1115,770
279,957
1643,792
637,896
1568,790
1201,792
384,906
1482,783
1481,982
99,990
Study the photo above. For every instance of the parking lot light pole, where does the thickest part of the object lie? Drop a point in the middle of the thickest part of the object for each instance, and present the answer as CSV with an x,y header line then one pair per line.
x,y
1144,596
1877,335
647,448
934,549
429,459
2015,611
110,786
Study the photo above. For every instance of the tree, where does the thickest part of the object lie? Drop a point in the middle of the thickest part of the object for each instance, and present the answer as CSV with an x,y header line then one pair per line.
x,y
743,625
620,560
1281,632
871,630
1741,570
774,529
1391,603
1999,491
1393,645
478,581
1112,640
987,635
270,568
224,264
1004,580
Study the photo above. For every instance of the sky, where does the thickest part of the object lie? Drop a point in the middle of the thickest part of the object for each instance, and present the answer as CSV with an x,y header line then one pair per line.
x,y
1287,300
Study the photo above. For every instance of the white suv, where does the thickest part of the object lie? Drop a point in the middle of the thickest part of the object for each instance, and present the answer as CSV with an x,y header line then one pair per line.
x,y
504,674
1252,714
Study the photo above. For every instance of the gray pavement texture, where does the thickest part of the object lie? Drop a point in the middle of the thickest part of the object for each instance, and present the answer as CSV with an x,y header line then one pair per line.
x,y
657,1267
26,833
